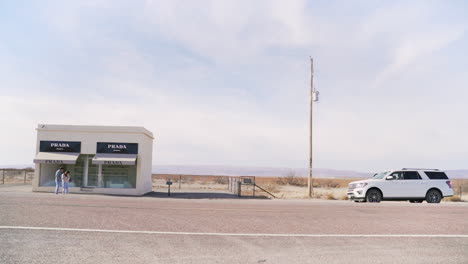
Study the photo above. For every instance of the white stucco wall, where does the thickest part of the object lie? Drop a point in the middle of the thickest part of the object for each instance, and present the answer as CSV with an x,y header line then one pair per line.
x,y
89,136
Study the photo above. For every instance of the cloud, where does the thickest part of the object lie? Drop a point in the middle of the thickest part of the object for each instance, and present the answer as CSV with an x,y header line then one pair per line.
x,y
229,31
412,31
419,45
226,82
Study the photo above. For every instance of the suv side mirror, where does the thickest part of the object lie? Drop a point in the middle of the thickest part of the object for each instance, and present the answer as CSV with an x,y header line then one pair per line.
x,y
389,178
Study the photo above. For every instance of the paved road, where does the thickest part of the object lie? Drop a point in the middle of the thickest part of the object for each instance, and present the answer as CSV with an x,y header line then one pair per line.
x,y
226,230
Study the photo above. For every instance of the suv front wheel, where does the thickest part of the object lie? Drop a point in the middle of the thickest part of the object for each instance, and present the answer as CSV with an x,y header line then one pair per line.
x,y
373,196
433,196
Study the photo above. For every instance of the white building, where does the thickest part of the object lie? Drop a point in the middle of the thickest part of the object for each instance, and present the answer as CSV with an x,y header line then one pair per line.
x,y
101,159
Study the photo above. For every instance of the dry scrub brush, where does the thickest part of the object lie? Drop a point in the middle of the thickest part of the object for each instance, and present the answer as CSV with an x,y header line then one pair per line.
x,y
344,197
272,188
221,180
292,179
455,198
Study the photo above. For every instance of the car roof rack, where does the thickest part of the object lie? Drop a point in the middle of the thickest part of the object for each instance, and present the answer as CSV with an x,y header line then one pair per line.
x,y
419,169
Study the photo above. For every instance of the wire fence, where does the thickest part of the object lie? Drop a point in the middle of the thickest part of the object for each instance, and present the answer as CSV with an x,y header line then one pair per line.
x,y
243,186
16,176
185,182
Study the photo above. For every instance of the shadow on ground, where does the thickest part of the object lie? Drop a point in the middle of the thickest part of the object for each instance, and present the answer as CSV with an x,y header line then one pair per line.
x,y
200,195
15,184
189,194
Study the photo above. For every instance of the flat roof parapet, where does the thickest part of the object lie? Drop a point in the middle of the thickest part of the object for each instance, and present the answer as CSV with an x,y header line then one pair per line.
x,y
99,129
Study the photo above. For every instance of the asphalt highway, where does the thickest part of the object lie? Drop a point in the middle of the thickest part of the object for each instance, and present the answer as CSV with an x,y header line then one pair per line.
x,y
46,228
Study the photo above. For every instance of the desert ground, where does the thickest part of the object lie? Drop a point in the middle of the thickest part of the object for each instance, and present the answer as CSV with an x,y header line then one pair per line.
x,y
281,187
284,187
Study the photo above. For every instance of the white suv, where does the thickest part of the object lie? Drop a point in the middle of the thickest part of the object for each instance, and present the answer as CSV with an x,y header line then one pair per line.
x,y
415,185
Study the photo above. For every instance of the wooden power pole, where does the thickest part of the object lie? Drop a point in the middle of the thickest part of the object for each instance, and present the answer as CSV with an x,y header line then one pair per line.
x,y
309,182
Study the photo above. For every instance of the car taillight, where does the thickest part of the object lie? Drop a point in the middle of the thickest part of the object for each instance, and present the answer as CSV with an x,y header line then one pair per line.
x,y
449,184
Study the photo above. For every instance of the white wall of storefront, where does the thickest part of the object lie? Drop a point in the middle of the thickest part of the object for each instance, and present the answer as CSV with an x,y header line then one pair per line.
x,y
89,136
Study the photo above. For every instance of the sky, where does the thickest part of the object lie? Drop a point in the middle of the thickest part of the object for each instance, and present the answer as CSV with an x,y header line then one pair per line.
x,y
227,82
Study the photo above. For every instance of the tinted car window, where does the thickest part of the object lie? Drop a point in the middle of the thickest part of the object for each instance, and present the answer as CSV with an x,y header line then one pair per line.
x,y
411,175
398,175
436,175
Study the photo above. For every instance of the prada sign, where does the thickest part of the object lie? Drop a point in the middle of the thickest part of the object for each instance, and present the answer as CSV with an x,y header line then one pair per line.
x,y
60,146
54,162
112,162
117,148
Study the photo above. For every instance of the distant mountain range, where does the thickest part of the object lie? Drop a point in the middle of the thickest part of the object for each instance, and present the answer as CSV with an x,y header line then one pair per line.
x,y
261,171
457,174
256,171
275,172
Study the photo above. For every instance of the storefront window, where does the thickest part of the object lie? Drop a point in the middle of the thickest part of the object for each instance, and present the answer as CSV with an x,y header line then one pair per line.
x,y
77,171
47,176
119,176
113,176
93,170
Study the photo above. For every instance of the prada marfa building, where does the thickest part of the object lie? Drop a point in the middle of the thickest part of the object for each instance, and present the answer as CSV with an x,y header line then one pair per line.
x,y
101,159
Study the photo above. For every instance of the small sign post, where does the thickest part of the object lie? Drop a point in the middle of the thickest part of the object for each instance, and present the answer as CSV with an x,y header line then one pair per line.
x,y
169,183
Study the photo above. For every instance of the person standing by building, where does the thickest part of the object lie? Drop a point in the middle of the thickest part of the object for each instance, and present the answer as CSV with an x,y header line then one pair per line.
x,y
65,180
58,178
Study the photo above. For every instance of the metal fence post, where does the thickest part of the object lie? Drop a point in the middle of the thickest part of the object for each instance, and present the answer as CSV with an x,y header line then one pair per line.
x,y
25,176
254,184
3,176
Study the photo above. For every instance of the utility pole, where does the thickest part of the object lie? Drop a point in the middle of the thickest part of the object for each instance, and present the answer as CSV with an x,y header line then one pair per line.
x,y
309,182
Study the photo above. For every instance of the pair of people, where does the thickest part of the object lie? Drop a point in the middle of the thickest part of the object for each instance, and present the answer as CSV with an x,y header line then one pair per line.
x,y
62,176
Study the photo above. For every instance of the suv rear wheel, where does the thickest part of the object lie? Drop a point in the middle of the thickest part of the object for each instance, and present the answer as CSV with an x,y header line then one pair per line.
x,y
373,196
433,196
